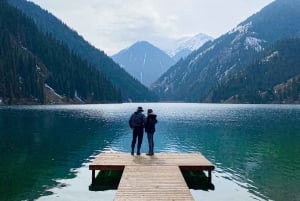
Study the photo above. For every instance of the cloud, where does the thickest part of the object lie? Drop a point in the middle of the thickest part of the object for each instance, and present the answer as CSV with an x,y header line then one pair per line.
x,y
112,25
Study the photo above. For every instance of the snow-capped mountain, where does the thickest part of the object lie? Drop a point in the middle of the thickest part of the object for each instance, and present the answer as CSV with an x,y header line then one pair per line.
x,y
184,46
192,78
144,61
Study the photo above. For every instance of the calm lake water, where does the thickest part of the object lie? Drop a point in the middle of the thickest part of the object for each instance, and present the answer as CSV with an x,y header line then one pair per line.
x,y
45,150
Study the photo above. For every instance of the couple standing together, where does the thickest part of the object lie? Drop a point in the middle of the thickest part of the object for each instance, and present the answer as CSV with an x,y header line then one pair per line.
x,y
137,122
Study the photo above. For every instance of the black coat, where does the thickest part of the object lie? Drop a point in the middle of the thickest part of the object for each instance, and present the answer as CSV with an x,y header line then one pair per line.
x,y
150,123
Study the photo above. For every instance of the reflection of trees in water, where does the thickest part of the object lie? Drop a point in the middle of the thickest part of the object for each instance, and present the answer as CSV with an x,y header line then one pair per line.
x,y
46,145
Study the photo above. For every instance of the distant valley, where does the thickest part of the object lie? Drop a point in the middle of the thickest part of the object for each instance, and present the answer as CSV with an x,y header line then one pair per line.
x,y
147,63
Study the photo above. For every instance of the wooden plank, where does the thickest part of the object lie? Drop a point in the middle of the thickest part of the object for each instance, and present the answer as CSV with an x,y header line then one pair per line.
x,y
155,177
142,183
192,161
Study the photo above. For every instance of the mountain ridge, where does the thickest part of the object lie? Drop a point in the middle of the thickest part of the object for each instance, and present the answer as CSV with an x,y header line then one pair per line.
x,y
186,45
273,78
191,79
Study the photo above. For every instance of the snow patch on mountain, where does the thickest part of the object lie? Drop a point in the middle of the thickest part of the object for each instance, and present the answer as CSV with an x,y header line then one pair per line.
x,y
227,72
268,58
53,91
184,46
145,58
193,43
242,29
253,43
201,54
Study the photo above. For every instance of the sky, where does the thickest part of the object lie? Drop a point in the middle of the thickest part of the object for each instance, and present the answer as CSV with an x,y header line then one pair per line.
x,y
112,25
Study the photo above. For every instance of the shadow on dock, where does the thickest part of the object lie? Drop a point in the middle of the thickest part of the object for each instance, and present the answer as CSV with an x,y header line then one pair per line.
x,y
109,180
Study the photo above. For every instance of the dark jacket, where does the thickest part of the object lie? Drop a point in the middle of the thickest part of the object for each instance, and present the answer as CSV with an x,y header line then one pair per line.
x,y
137,120
150,123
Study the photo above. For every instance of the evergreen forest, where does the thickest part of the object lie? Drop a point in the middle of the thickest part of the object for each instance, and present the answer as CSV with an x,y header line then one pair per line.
x,y
130,88
31,59
273,78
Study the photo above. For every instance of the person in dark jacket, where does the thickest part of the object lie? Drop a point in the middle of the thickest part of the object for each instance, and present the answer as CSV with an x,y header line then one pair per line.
x,y
150,129
136,123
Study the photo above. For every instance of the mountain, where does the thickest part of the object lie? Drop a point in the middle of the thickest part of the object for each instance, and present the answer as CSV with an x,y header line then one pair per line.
x,y
186,45
33,65
191,79
144,61
130,88
273,78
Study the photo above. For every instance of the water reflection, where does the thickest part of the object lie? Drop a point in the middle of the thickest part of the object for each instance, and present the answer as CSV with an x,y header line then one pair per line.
x,y
254,147
77,189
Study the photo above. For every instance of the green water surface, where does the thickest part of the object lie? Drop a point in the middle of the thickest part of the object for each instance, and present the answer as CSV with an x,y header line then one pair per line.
x,y
45,150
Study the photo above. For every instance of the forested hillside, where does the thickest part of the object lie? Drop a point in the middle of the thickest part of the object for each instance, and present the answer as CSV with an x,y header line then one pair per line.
x,y
273,78
31,60
131,89
193,78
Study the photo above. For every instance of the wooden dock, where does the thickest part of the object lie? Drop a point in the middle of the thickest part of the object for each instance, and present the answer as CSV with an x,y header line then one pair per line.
x,y
156,177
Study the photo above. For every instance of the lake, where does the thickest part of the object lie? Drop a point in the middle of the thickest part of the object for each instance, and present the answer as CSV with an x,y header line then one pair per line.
x,y
45,150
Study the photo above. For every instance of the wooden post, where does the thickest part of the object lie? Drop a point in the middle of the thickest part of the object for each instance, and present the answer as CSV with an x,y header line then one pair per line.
x,y
209,176
93,176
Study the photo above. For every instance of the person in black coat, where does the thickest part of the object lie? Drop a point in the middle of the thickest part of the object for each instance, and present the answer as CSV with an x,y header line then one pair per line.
x,y
136,123
150,129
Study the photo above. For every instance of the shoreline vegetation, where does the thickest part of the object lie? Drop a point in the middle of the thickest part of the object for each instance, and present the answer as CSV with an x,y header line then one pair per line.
x,y
52,98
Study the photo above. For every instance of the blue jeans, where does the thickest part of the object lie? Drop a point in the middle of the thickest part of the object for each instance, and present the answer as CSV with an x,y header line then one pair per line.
x,y
137,134
150,142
